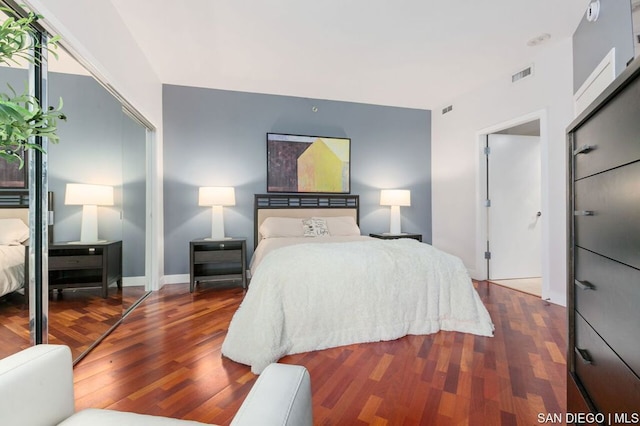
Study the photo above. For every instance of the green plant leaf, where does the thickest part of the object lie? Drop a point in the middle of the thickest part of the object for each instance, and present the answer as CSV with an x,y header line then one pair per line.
x,y
21,116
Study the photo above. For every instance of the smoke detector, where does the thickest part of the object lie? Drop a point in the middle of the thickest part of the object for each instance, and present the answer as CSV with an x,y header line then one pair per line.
x,y
593,10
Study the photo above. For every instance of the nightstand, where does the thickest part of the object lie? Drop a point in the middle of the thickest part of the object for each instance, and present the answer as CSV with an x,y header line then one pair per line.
x,y
386,236
217,260
85,265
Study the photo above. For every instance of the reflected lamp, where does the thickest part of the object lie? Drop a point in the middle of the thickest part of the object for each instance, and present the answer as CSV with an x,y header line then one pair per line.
x,y
89,197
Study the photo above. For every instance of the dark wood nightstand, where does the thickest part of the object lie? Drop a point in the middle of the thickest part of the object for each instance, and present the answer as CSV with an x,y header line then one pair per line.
x,y
385,236
85,265
217,260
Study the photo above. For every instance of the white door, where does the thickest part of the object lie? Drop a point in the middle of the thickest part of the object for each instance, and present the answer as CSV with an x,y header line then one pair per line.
x,y
514,228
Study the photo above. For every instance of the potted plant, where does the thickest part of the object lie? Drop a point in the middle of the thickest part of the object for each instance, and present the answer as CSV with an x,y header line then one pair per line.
x,y
21,115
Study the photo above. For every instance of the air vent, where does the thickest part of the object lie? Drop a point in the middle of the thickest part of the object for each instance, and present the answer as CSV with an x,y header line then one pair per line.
x,y
528,71
447,109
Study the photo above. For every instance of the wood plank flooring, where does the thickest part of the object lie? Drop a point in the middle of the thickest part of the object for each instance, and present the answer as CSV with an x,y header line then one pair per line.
x,y
77,317
164,359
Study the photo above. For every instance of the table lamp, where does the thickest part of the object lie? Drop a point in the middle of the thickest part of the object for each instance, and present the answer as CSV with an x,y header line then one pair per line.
x,y
217,197
89,197
395,198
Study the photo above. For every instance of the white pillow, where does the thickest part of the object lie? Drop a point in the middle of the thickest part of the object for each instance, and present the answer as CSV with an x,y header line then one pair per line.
x,y
342,226
13,232
275,227
315,227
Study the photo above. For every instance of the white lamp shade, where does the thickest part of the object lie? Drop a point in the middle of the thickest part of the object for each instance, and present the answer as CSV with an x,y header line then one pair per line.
x,y
88,196
216,196
395,197
84,194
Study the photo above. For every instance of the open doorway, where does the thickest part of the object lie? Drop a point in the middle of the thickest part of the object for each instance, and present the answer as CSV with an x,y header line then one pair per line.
x,y
513,206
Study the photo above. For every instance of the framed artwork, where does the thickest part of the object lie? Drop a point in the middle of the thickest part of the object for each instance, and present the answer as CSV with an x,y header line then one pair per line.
x,y
11,175
308,164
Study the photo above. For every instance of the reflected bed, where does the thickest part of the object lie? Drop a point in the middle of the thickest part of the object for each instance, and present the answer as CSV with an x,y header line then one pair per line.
x,y
14,232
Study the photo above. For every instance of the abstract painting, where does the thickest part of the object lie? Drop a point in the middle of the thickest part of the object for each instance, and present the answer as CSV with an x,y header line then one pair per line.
x,y
311,164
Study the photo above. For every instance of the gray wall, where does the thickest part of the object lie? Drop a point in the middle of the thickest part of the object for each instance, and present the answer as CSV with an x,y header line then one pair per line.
x,y
593,40
218,138
99,144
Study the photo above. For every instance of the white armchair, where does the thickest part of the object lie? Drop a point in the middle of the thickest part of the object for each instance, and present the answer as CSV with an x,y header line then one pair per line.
x,y
36,388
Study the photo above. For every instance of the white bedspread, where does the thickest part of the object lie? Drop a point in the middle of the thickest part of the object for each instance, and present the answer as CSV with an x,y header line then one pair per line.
x,y
11,268
315,296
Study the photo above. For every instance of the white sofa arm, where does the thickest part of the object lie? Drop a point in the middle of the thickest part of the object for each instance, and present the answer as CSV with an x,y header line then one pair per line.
x,y
281,396
36,386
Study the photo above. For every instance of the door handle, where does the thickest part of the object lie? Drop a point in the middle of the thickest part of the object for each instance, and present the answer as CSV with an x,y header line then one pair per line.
x,y
539,214
583,213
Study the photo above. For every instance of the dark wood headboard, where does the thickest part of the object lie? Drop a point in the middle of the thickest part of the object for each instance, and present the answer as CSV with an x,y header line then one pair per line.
x,y
14,199
16,204
316,204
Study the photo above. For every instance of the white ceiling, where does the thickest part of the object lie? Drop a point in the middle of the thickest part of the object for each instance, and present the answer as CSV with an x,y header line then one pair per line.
x,y
410,53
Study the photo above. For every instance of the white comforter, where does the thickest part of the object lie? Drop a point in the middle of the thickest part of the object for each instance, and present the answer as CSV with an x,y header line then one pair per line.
x,y
316,296
11,268
267,245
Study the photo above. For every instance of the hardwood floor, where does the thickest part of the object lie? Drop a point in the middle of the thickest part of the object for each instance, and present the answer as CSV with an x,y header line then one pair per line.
x,y
77,317
164,359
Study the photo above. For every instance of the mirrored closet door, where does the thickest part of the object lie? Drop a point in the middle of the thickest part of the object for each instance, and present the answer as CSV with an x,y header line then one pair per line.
x,y
101,148
14,312
95,273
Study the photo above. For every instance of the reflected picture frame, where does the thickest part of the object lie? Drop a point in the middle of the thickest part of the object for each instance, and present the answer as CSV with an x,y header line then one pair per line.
x,y
12,177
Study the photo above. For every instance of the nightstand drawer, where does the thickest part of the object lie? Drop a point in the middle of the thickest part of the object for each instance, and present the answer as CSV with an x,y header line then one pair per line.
x,y
219,246
219,256
75,262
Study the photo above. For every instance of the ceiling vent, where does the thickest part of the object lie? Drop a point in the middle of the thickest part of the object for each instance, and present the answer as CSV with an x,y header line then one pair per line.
x,y
447,109
527,72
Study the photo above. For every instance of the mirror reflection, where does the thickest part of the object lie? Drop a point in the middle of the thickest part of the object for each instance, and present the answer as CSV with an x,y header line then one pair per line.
x,y
14,219
97,176
97,184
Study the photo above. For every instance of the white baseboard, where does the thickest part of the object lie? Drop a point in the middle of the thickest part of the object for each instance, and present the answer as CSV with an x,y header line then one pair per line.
x,y
557,298
176,279
134,281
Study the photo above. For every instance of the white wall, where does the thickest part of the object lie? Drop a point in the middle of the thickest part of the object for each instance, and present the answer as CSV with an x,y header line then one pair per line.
x,y
95,31
456,161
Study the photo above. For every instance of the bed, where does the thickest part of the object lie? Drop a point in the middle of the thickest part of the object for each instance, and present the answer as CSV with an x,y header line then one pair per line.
x,y
14,231
338,288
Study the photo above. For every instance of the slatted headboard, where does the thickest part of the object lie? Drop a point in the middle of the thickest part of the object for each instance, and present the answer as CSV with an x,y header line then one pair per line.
x,y
15,204
302,205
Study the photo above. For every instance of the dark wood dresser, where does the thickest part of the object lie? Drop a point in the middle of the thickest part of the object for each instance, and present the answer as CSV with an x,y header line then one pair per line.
x,y
604,254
